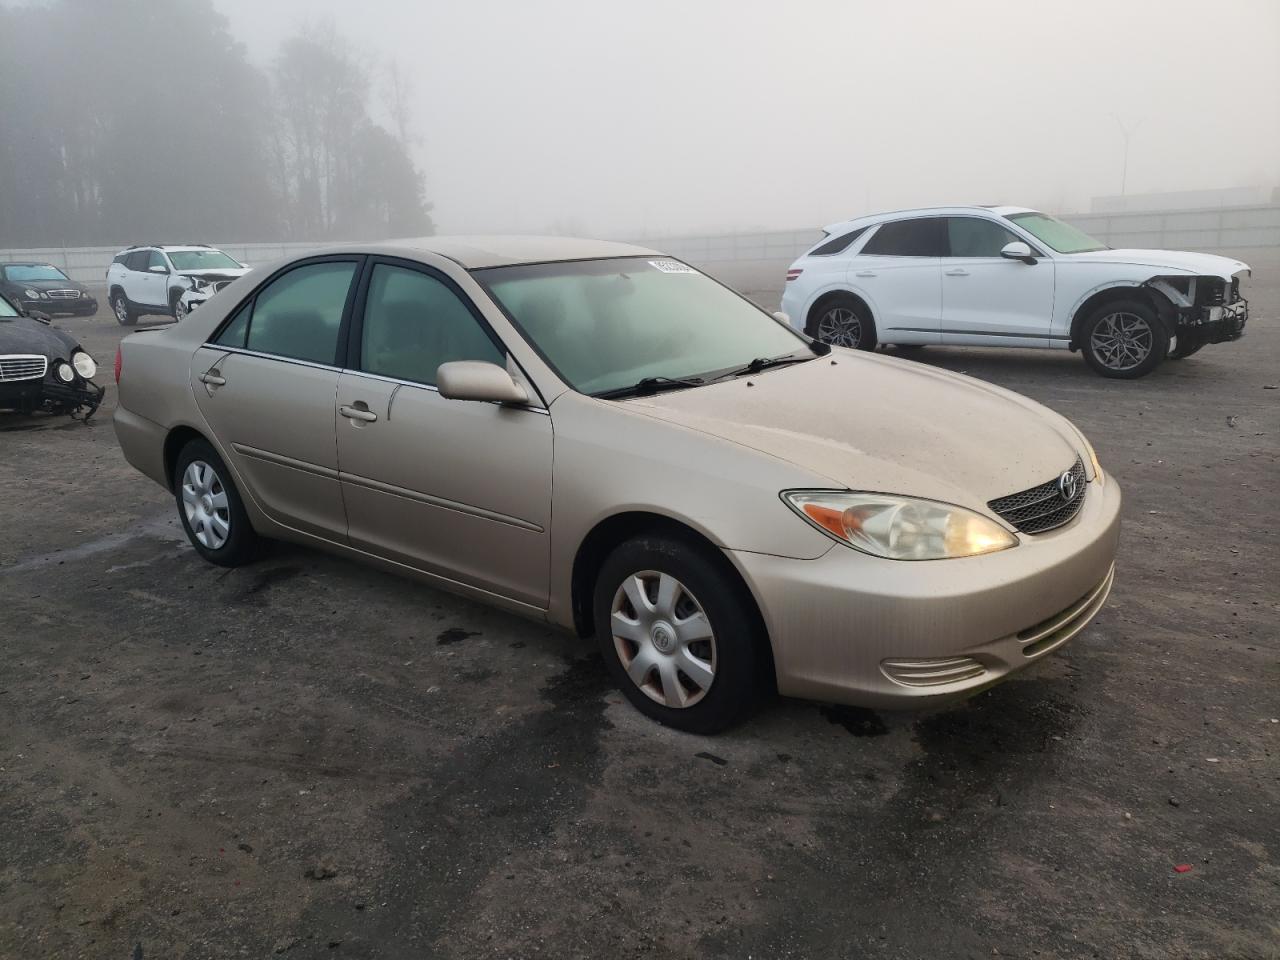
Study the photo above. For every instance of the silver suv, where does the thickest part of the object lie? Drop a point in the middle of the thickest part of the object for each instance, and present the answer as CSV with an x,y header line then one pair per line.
x,y
167,280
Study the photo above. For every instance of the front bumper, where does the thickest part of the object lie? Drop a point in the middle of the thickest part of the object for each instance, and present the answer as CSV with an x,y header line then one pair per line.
x,y
50,392
856,629
1220,324
83,306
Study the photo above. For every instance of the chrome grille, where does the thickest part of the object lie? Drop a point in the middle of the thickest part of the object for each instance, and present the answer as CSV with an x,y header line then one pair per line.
x,y
63,294
1042,508
22,367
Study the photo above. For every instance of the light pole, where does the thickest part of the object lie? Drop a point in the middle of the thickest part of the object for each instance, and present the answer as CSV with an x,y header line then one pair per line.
x,y
1127,133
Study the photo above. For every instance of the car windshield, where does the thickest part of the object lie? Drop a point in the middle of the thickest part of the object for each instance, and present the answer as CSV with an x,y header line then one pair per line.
x,y
1062,237
605,325
20,272
201,260
7,309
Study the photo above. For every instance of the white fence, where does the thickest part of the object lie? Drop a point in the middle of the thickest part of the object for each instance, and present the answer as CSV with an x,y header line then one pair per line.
x,y
742,258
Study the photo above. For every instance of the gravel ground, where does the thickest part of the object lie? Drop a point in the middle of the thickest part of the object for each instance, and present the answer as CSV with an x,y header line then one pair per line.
x,y
305,757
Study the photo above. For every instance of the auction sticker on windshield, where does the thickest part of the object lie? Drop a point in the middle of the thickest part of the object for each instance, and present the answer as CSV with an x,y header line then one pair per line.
x,y
672,266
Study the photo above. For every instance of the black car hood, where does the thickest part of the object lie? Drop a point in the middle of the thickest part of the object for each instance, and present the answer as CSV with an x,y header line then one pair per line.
x,y
25,335
46,285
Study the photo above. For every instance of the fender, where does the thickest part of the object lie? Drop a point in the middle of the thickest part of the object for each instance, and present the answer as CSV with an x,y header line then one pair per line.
x,y
801,322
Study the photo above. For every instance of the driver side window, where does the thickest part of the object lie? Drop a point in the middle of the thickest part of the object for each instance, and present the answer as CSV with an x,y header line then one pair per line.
x,y
414,322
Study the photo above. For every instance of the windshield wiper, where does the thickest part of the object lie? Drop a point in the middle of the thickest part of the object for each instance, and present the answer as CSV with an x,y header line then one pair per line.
x,y
764,363
649,385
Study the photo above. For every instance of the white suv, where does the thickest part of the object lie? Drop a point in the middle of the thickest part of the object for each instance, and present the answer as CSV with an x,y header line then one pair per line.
x,y
1011,277
166,280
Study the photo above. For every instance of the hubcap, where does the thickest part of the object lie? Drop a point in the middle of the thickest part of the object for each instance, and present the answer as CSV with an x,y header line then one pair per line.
x,y
204,501
663,638
122,312
179,311
1121,341
840,326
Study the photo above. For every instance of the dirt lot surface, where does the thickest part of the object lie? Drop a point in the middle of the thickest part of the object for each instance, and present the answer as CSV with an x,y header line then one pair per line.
x,y
310,759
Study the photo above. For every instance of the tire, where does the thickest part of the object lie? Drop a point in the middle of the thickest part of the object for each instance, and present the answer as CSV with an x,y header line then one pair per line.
x,y
719,671
843,321
210,507
1123,339
1186,343
125,315
178,311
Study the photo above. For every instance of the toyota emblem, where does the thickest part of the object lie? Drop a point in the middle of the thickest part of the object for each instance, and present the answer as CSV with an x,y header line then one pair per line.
x,y
1067,486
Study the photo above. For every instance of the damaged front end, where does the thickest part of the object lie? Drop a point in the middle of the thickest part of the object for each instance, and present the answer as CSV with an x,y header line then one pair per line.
x,y
30,383
1204,309
201,287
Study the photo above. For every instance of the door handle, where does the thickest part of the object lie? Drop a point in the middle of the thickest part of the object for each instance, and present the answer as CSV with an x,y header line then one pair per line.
x,y
865,273
213,378
358,413
957,272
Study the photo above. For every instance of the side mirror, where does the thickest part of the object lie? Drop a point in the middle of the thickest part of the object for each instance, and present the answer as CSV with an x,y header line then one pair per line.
x,y
477,380
159,268
1017,250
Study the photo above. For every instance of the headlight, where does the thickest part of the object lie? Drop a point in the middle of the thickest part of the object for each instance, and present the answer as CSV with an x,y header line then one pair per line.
x,y
84,364
64,372
31,294
900,528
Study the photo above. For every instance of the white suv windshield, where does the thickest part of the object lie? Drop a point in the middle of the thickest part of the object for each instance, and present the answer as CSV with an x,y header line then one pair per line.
x,y
1062,237
201,260
606,324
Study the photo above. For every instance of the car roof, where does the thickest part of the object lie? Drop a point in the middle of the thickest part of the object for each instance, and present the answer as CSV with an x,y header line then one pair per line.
x,y
477,252
960,208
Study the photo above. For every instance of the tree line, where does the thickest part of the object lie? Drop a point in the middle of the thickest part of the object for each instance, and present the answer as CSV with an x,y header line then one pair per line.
x,y
127,121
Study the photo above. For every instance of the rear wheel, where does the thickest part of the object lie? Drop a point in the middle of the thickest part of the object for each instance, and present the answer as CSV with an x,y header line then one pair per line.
x,y
210,507
678,635
1124,339
120,307
843,322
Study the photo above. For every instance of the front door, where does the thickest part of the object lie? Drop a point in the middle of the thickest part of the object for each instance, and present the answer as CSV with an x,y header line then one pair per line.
x,y
988,299
154,280
457,488
266,384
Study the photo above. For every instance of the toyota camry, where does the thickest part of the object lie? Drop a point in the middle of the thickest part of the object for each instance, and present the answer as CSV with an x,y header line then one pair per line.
x,y
602,437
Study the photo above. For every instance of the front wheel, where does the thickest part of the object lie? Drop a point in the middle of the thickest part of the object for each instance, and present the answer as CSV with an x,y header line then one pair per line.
x,y
179,310
1124,340
210,508
678,635
843,322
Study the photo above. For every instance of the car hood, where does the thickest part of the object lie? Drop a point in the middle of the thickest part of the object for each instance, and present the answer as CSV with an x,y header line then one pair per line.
x,y
219,274
26,335
883,425
1176,261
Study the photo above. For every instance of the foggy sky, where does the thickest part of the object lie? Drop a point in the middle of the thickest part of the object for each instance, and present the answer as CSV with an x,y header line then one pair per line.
x,y
604,118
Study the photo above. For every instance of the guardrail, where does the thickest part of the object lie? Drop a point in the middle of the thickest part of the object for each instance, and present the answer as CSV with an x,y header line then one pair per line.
x,y
739,257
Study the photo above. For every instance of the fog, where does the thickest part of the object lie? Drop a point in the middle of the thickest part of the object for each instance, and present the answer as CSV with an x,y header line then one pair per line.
x,y
613,119
667,117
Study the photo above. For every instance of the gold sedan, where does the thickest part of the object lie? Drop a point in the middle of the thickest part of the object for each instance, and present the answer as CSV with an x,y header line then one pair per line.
x,y
599,436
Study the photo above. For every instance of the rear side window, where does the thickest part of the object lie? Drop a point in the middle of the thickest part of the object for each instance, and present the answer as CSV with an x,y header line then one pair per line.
x,y
974,237
921,237
136,260
121,258
414,322
297,315
837,244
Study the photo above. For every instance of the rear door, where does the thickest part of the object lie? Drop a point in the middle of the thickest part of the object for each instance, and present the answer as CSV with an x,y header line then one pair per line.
x,y
460,489
153,287
266,384
899,272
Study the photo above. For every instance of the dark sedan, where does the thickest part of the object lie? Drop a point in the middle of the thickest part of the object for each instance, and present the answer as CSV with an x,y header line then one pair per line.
x,y
42,367
43,287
